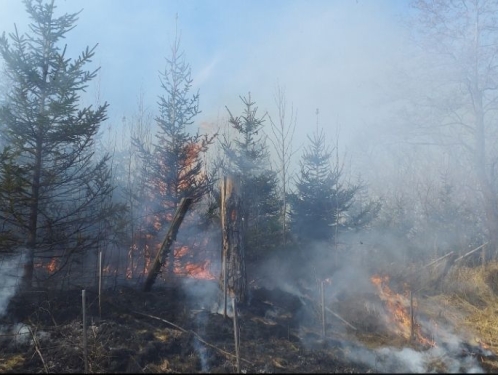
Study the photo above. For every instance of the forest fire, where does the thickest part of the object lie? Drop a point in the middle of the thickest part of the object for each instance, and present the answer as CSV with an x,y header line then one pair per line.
x,y
139,262
196,270
399,315
50,267
199,271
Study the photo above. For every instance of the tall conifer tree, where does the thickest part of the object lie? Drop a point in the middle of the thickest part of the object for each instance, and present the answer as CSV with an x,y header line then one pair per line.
x,y
247,159
53,192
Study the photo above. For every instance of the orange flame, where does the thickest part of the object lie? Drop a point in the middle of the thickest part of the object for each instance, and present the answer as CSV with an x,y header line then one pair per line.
x,y
200,271
52,266
398,307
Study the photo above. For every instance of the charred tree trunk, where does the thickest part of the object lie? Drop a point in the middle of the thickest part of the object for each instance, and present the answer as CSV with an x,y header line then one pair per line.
x,y
168,241
233,277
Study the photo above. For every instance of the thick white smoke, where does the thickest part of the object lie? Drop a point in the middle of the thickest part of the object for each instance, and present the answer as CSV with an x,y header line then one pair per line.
x,y
11,272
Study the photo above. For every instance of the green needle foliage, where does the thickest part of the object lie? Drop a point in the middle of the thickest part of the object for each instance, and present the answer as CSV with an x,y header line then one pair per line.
x,y
54,192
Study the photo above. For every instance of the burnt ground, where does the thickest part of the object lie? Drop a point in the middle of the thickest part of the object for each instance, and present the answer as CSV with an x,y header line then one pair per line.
x,y
42,332
178,329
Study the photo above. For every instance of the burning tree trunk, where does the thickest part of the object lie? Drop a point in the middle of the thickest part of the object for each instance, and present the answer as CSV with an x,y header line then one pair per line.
x,y
168,241
233,276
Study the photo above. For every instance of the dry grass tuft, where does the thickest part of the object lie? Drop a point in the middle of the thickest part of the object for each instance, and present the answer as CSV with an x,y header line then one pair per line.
x,y
473,290
11,363
471,285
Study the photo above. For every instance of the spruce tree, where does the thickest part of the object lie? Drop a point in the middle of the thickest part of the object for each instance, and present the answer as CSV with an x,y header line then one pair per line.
x,y
54,193
176,156
247,159
320,200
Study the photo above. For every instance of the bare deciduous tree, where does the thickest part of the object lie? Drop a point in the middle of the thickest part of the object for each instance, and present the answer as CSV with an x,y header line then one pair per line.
x,y
283,134
459,107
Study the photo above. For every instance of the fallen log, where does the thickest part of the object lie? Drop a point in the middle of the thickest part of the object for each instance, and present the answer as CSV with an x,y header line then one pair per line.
x,y
37,349
166,245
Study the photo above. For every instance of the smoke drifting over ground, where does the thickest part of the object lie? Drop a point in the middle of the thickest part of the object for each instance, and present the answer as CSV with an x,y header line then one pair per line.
x,y
11,271
346,281
392,360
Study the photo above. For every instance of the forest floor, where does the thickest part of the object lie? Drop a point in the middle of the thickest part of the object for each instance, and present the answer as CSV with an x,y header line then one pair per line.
x,y
175,330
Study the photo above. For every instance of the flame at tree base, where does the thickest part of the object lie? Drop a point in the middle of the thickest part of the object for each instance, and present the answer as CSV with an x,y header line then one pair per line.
x,y
196,271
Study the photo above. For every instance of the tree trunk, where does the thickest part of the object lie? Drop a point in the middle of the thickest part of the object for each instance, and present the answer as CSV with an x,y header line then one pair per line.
x,y
29,262
233,279
168,241
490,201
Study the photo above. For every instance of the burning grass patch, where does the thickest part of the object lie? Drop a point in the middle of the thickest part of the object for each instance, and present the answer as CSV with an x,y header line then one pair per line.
x,y
469,304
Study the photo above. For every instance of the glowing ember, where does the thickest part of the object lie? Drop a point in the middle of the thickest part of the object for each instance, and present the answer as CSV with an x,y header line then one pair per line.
x,y
181,251
200,271
398,307
50,267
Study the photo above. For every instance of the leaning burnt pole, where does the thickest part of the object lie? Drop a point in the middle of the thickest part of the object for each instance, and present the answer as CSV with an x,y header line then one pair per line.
x,y
233,273
165,249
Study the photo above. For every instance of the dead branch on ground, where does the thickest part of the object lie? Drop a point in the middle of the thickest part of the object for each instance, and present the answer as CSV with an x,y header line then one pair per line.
x,y
37,349
194,333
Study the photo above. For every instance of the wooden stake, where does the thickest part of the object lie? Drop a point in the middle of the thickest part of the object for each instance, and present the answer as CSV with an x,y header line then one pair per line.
x,y
236,334
333,313
225,294
484,258
411,317
100,283
224,245
85,347
322,297
37,349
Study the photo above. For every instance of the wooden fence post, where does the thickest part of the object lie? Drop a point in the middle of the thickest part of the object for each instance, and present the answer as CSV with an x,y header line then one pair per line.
x,y
236,334
322,297
85,344
100,283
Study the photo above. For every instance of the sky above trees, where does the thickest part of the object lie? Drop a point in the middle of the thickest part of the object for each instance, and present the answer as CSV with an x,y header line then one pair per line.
x,y
337,56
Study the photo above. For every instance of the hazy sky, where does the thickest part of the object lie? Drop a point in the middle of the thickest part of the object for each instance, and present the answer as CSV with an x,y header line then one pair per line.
x,y
335,55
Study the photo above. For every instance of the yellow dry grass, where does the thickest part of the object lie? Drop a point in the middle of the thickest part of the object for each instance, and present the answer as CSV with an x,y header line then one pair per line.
x,y
11,363
463,301
161,335
471,293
